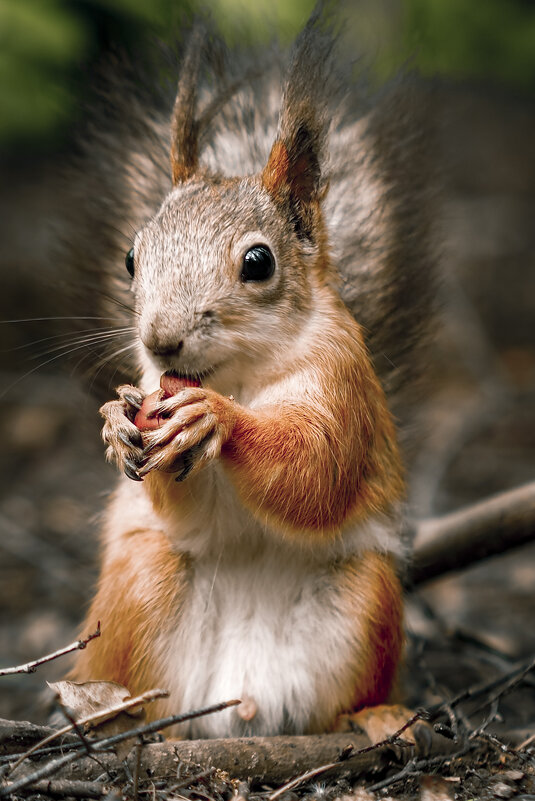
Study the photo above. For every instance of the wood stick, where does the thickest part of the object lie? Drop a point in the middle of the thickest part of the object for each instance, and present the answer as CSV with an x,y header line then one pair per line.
x,y
262,760
31,667
66,788
109,742
16,735
459,539
102,714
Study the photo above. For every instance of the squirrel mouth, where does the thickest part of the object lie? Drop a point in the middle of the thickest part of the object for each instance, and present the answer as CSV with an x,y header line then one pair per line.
x,y
195,376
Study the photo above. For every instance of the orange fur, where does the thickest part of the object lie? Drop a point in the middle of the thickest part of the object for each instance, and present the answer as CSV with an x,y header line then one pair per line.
x,y
275,173
138,596
320,466
378,601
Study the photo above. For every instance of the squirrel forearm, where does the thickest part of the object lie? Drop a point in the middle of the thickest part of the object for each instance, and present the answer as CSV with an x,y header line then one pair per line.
x,y
310,472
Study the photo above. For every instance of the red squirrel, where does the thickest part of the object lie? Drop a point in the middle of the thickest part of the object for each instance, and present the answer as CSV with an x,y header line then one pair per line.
x,y
250,550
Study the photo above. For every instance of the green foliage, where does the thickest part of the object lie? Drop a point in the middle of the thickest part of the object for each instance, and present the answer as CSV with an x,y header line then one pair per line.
x,y
40,40
47,44
484,39
261,20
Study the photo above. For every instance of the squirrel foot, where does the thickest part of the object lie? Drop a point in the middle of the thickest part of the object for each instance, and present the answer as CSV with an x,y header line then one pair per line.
x,y
381,722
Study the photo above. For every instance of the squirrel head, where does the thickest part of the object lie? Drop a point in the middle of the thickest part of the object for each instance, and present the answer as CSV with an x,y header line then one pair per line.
x,y
225,273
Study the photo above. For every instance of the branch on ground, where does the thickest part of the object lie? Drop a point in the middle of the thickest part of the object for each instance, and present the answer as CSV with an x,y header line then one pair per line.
x,y
460,539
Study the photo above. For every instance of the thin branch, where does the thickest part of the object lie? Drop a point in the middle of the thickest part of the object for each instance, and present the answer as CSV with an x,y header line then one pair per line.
x,y
109,742
66,788
457,540
304,777
31,667
137,767
524,744
203,774
415,766
311,774
393,738
74,725
112,711
509,681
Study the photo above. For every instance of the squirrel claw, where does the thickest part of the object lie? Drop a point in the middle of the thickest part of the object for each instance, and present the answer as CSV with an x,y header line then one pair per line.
x,y
135,440
130,470
188,462
133,401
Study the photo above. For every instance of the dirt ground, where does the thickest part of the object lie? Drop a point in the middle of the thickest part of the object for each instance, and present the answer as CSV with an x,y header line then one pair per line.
x,y
478,417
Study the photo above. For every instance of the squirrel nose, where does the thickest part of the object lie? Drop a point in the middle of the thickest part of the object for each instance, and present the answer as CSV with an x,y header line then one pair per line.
x,y
163,347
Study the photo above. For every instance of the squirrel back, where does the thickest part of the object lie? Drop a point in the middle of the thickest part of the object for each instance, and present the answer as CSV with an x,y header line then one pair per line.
x,y
378,176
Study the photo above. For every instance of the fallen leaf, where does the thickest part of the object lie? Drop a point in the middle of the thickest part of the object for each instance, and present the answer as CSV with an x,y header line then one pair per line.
x,y
86,699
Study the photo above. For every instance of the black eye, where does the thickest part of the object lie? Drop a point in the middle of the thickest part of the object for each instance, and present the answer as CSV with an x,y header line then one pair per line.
x,y
129,261
258,264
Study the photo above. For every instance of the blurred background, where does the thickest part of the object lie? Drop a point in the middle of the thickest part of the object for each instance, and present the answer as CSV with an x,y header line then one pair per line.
x,y
480,56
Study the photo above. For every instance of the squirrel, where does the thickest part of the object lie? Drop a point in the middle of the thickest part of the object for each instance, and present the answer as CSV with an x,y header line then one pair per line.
x,y
252,548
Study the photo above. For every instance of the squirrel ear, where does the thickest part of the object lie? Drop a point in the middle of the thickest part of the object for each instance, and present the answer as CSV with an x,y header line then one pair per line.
x,y
293,166
293,171
184,124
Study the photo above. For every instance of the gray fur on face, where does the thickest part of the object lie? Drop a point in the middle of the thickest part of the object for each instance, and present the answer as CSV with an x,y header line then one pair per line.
x,y
190,296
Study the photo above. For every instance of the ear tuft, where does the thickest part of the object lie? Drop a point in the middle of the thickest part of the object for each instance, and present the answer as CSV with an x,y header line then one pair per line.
x,y
184,123
293,173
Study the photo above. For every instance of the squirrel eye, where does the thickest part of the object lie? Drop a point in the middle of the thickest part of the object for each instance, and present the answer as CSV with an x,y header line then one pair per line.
x,y
258,264
129,261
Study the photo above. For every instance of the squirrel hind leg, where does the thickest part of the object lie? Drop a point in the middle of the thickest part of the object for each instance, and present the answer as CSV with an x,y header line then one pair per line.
x,y
380,723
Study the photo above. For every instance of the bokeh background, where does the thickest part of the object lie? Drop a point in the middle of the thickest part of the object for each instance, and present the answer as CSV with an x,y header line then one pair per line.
x,y
479,408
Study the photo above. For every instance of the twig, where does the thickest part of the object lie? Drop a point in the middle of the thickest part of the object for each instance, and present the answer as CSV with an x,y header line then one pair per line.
x,y
393,738
31,667
137,764
415,766
488,720
526,742
311,774
77,730
304,777
490,527
112,711
109,742
203,774
88,745
501,746
407,770
510,679
62,788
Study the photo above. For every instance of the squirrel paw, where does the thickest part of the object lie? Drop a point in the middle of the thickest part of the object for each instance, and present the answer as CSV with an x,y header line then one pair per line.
x,y
381,722
123,438
198,423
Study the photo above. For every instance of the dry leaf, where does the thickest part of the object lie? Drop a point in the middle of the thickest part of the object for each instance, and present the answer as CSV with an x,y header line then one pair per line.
x,y
85,699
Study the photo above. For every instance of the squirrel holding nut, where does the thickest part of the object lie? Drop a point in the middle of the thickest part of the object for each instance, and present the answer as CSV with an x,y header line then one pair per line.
x,y
251,550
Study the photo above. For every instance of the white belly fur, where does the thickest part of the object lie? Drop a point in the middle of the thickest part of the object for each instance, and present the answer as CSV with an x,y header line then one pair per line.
x,y
262,620
263,628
